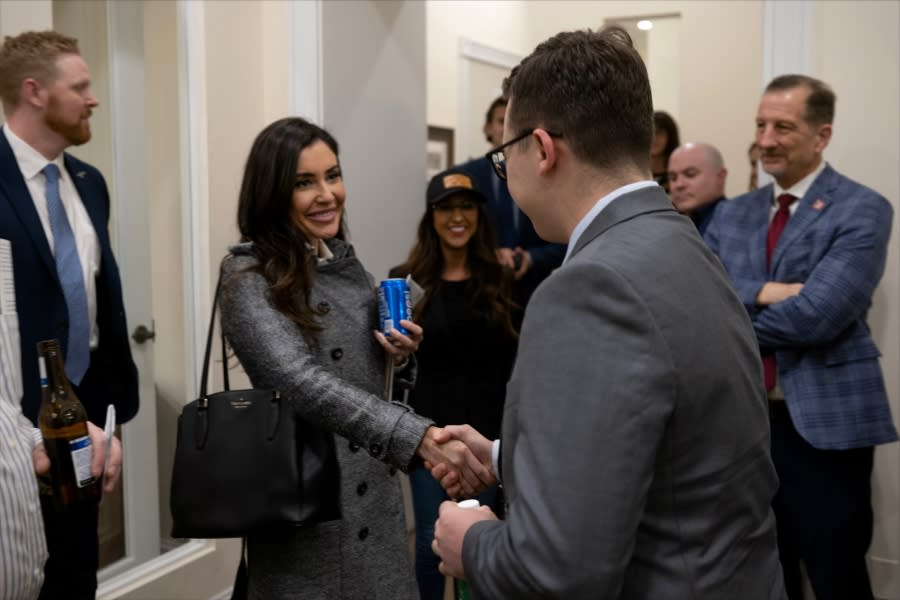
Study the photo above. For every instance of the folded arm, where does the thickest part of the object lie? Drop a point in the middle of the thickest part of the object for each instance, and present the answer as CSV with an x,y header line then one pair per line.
x,y
839,288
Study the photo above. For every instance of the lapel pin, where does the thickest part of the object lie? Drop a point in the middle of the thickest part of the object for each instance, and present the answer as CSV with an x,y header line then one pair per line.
x,y
818,204
81,174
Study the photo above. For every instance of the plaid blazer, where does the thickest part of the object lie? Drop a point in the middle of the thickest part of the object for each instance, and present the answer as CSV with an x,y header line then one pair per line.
x,y
835,244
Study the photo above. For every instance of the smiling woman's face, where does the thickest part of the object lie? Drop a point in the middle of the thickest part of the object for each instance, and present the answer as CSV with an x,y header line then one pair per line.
x,y
318,201
455,220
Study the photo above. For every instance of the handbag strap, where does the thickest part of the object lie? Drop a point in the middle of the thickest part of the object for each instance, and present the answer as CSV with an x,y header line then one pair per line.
x,y
204,377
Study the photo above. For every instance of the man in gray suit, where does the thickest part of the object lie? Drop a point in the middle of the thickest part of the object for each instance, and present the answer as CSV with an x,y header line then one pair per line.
x,y
635,441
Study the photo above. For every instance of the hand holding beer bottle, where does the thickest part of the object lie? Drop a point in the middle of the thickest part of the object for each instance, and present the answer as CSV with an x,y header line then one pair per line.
x,y
64,427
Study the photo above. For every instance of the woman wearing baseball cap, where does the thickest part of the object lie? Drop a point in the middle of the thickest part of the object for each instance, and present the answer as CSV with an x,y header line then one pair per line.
x,y
465,360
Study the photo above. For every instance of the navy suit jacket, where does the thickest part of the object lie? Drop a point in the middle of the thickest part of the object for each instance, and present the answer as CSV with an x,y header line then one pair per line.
x,y
111,377
835,244
545,256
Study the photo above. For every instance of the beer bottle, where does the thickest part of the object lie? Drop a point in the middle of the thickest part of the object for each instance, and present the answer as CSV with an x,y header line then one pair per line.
x,y
63,424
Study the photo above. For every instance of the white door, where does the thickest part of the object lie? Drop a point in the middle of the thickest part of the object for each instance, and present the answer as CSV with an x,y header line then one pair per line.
x,y
110,37
137,145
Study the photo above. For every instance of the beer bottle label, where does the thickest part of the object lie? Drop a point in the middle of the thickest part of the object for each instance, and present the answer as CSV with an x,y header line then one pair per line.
x,y
82,453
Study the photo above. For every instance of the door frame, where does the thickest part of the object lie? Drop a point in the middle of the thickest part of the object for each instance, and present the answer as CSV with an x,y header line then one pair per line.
x,y
469,51
125,26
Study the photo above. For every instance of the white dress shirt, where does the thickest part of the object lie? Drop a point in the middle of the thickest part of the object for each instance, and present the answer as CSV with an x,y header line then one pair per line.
x,y
31,163
798,190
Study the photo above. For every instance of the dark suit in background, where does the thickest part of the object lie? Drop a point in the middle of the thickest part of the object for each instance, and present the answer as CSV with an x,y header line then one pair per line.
x,y
514,229
111,377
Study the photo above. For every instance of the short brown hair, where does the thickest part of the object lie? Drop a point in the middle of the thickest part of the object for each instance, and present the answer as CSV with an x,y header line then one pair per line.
x,y
32,54
591,87
820,102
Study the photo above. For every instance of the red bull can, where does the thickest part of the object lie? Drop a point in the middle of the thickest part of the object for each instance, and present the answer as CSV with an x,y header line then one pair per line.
x,y
393,304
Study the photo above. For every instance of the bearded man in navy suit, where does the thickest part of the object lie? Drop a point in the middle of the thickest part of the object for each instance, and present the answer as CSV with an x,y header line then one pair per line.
x,y
55,209
808,292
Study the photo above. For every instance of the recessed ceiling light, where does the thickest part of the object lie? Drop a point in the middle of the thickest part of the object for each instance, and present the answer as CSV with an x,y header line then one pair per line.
x,y
645,25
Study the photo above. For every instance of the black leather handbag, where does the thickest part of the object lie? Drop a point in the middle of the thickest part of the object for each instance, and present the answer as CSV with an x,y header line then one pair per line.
x,y
245,462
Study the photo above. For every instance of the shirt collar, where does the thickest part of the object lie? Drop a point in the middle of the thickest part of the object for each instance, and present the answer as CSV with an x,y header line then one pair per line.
x,y
799,189
31,162
320,250
598,207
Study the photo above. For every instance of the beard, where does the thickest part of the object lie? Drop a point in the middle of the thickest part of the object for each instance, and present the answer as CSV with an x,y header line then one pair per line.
x,y
75,133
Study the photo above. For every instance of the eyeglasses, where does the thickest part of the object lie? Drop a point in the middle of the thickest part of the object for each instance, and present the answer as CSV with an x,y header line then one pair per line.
x,y
498,158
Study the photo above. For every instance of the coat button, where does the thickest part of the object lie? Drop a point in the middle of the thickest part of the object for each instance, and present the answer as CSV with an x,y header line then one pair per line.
x,y
363,533
354,447
361,488
337,353
323,307
375,450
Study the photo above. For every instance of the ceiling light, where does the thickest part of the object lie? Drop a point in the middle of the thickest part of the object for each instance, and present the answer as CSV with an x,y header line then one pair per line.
x,y
645,25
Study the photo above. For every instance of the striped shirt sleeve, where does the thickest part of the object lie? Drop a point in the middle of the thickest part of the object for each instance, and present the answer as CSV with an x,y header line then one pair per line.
x,y
23,549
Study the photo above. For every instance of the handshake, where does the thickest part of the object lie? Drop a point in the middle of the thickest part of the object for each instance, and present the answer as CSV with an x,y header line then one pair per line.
x,y
459,458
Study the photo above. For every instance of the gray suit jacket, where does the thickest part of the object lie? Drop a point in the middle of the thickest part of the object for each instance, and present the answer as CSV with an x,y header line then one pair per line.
x,y
635,438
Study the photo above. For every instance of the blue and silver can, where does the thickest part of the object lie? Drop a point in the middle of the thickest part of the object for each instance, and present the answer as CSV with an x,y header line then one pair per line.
x,y
393,304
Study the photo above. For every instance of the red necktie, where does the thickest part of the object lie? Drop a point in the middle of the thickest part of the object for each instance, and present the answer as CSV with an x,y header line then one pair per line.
x,y
775,228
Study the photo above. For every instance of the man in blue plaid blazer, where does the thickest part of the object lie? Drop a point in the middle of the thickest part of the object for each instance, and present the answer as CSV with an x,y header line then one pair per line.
x,y
808,301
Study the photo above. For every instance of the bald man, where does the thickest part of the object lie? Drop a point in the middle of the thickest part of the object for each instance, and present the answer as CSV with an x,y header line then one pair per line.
x,y
697,181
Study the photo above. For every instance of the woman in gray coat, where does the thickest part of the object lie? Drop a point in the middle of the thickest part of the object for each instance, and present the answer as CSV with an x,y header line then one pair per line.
x,y
299,310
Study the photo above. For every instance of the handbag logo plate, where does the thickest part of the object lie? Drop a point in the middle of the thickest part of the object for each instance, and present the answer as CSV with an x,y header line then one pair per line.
x,y
241,403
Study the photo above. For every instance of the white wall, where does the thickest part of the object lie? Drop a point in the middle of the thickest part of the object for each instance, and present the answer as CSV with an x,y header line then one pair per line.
x,y
500,24
664,65
720,59
374,91
856,50
17,16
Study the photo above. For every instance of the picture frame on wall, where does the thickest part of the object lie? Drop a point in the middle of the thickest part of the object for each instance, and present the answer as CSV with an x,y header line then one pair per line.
x,y
438,150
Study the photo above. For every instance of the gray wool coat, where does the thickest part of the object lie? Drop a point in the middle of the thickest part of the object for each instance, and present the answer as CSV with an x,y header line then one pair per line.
x,y
335,384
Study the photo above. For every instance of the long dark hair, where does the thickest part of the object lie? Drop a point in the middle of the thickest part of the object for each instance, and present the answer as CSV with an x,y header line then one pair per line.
x,y
493,287
264,217
663,121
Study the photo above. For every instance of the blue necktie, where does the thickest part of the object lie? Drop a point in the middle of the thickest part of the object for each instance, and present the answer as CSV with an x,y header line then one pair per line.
x,y
68,267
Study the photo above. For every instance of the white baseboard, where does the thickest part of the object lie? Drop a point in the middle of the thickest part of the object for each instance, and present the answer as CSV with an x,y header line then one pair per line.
x,y
223,595
885,576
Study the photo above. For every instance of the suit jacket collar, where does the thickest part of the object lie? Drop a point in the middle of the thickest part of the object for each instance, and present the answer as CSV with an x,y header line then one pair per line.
x,y
13,186
625,207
